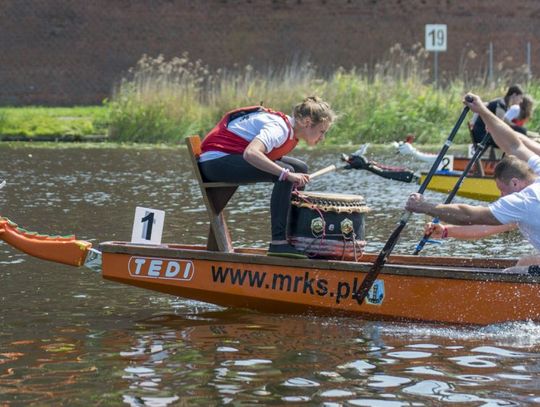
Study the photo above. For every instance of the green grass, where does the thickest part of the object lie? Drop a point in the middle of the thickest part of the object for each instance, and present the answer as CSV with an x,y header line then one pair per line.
x,y
53,122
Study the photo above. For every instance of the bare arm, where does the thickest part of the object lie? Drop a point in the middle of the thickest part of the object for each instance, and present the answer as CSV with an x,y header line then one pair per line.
x,y
530,144
458,214
510,141
469,232
254,154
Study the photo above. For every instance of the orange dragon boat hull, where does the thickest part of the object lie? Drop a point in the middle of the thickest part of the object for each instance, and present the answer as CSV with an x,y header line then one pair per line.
x,y
413,288
435,289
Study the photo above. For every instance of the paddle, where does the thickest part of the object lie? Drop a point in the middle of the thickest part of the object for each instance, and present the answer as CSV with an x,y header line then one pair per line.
x,y
392,240
480,149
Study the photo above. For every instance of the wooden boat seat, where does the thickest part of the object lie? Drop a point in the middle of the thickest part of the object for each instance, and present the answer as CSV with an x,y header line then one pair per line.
x,y
215,195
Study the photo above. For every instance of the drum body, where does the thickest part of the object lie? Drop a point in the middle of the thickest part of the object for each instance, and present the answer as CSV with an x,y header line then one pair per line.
x,y
329,226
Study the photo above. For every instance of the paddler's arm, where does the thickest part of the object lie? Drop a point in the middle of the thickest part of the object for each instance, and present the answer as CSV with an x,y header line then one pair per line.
x,y
457,214
510,141
466,232
255,155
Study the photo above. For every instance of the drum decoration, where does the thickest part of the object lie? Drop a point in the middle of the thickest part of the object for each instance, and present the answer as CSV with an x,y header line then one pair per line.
x,y
328,225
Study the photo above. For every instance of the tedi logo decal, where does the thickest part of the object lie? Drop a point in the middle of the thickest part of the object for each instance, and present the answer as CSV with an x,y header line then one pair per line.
x,y
165,269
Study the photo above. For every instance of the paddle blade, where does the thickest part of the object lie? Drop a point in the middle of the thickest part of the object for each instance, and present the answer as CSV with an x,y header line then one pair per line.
x,y
379,262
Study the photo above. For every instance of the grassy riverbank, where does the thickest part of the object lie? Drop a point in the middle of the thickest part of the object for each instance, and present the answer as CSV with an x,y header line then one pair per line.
x,y
53,123
165,101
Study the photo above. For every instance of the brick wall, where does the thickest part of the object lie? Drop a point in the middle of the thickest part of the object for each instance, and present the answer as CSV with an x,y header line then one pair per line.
x,y
60,52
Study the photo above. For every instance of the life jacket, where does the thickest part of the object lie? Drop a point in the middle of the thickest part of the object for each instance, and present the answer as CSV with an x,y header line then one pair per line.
x,y
220,138
519,122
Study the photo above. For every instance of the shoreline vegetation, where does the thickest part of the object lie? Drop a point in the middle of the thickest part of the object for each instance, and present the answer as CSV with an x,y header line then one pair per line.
x,y
164,101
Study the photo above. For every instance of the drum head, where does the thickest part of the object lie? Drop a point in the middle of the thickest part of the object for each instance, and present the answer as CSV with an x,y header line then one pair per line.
x,y
332,196
330,202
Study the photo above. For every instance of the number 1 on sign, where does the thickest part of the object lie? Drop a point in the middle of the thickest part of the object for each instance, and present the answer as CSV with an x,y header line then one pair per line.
x,y
148,220
147,226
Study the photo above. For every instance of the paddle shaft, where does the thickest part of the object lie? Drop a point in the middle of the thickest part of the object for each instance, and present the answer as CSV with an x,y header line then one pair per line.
x,y
392,240
480,149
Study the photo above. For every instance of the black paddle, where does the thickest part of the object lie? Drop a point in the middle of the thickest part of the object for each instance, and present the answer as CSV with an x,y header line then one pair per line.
x,y
480,149
392,240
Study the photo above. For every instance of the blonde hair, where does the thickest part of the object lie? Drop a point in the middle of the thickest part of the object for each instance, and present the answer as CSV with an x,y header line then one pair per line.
x,y
316,109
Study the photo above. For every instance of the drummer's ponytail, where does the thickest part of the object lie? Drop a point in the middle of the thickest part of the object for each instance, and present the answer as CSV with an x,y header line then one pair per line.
x,y
316,109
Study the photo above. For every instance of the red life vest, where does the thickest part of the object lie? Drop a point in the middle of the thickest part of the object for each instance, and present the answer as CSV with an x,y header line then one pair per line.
x,y
519,122
222,139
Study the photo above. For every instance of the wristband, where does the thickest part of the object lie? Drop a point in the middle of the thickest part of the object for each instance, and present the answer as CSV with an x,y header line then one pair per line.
x,y
284,174
444,234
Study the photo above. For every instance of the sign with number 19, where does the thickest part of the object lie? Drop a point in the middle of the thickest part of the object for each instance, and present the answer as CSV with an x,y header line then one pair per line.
x,y
147,226
435,37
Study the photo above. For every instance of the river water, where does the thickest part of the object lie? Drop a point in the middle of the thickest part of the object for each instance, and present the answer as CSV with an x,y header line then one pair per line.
x,y
70,338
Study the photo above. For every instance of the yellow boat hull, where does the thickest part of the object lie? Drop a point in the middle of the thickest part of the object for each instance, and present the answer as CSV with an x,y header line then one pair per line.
x,y
481,188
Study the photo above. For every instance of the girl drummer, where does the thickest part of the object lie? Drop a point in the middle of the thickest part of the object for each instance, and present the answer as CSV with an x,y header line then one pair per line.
x,y
250,145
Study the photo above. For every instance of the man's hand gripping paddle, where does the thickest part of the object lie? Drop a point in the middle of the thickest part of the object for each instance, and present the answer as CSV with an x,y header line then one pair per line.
x,y
392,240
480,149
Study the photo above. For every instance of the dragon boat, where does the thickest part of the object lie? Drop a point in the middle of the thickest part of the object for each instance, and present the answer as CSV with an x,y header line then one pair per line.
x,y
456,290
410,288
484,167
479,184
473,186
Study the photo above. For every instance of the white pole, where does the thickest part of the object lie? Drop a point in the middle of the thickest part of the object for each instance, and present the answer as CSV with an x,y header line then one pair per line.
x,y
436,67
490,63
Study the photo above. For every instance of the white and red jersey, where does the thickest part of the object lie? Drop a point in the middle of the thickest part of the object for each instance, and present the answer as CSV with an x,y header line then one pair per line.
x,y
239,127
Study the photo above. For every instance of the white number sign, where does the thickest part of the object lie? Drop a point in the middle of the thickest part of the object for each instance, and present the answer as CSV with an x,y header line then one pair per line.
x,y
147,226
447,163
435,37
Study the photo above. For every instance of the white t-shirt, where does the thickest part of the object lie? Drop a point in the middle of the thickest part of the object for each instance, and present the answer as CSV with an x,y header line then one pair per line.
x,y
512,113
522,207
269,128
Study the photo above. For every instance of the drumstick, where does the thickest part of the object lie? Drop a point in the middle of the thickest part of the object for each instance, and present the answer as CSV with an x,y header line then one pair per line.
x,y
323,171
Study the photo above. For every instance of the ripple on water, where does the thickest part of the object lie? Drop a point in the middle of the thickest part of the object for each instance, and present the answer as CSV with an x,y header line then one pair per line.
x,y
380,403
300,382
150,401
387,381
246,362
337,393
409,355
474,361
442,391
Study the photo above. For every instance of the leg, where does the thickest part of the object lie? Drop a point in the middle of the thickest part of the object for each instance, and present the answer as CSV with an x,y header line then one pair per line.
x,y
280,203
295,163
233,168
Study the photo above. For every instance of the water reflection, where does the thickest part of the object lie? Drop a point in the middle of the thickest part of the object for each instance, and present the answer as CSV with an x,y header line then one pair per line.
x,y
71,338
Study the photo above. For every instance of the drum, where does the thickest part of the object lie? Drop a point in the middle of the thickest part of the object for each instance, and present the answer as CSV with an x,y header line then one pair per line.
x,y
329,226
